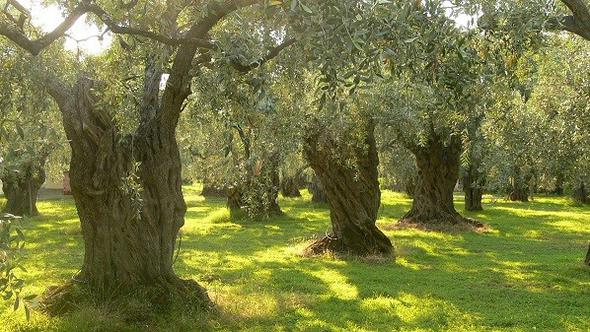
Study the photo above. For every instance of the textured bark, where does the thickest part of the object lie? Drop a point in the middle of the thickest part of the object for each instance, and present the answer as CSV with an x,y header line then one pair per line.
x,y
473,182
410,186
130,217
587,260
353,196
438,172
272,188
128,189
21,187
234,199
318,193
290,185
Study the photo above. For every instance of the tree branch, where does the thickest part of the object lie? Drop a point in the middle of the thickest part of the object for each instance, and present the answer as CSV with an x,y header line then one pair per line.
x,y
178,85
36,46
578,23
273,52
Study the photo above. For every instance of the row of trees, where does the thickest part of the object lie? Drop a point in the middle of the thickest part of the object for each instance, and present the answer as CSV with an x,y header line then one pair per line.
x,y
271,87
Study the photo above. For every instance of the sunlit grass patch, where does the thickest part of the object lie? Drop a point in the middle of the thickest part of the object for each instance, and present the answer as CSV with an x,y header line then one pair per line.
x,y
526,274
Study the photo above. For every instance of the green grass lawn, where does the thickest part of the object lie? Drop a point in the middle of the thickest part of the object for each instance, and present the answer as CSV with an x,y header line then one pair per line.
x,y
525,274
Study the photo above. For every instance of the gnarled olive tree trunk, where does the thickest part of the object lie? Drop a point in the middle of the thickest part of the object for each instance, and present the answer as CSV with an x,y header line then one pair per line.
x,y
130,216
21,186
290,185
353,195
438,171
261,192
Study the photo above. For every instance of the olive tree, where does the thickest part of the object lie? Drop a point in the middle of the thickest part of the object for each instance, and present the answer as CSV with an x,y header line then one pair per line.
x,y
127,184
29,133
436,86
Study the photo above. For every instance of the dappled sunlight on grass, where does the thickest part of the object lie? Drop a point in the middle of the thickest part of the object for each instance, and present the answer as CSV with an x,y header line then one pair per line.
x,y
526,273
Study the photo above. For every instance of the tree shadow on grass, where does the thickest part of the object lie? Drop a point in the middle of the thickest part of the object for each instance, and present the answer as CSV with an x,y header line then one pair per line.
x,y
490,280
525,274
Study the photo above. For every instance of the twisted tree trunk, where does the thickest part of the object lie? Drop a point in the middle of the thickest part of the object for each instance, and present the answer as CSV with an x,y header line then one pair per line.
x,y
21,187
290,185
130,215
353,196
438,171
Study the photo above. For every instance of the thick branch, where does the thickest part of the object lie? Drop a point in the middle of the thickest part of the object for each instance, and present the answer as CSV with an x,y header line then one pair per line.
x,y
36,46
273,52
578,23
126,30
178,85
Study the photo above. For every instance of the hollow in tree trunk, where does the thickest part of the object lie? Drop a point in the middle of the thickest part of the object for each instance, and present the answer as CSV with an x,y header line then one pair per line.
x,y
21,186
353,195
438,172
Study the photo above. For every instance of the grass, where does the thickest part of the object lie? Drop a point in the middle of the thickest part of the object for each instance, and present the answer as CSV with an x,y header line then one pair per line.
x,y
525,274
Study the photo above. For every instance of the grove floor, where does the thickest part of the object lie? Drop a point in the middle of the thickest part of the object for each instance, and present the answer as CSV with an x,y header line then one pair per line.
x,y
526,274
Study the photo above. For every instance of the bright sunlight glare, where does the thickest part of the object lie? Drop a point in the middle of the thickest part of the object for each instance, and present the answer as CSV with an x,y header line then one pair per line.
x,y
83,36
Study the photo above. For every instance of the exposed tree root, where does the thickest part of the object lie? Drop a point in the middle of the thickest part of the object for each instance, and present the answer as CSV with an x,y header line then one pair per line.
x,y
136,305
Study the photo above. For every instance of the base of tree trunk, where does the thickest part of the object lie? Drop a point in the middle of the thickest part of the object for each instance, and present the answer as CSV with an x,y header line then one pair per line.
x,y
290,187
137,305
441,223
519,196
329,244
587,260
